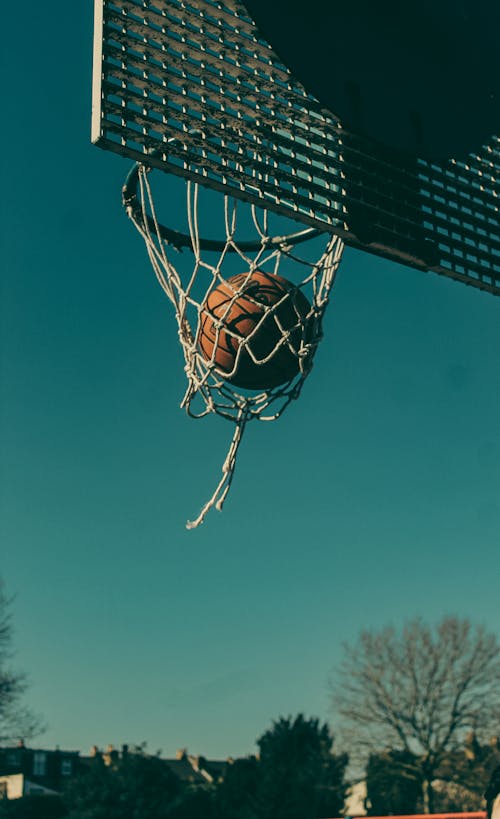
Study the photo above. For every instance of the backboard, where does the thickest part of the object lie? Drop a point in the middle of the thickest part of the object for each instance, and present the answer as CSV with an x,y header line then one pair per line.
x,y
194,88
421,76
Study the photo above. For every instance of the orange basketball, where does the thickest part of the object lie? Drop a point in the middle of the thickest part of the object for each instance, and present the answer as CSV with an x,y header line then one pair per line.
x,y
239,305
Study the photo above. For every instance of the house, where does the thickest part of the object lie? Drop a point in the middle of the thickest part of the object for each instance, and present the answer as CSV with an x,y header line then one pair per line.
x,y
14,786
33,771
356,799
38,768
197,769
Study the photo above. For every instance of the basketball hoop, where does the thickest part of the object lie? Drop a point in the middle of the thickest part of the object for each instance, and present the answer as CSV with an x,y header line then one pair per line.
x,y
289,314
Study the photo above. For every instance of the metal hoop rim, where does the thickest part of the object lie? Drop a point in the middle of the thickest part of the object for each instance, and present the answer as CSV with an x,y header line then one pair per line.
x,y
180,240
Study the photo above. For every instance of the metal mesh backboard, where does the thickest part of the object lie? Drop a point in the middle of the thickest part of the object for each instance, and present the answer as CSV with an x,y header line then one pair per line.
x,y
191,87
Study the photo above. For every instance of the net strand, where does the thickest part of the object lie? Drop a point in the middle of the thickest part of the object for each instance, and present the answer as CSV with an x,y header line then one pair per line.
x,y
228,467
209,388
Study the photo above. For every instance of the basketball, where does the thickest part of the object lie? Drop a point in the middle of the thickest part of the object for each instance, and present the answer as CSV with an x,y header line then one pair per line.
x,y
239,304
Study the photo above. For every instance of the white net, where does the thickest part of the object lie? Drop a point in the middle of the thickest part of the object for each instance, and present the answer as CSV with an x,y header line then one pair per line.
x,y
247,330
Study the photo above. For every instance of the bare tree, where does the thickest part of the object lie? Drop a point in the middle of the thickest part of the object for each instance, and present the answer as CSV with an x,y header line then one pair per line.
x,y
16,721
419,690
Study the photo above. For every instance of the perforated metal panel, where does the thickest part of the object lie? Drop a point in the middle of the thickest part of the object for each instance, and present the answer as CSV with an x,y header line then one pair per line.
x,y
192,88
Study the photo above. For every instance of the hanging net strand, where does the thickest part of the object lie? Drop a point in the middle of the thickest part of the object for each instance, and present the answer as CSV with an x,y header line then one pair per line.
x,y
249,312
228,468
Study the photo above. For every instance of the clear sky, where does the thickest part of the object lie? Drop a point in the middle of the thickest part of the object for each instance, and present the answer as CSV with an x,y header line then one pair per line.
x,y
374,499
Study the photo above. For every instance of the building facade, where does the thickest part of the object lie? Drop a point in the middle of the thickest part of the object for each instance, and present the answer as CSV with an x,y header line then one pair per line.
x,y
41,768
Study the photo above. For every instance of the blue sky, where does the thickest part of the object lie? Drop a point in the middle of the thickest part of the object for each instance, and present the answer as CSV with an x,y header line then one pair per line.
x,y
374,499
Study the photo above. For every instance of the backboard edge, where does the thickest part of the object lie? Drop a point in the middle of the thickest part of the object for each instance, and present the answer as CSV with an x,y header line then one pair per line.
x,y
97,71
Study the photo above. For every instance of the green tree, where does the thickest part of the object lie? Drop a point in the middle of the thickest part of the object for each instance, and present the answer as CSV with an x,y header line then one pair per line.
x,y
392,785
33,807
300,777
419,690
464,774
238,797
193,802
16,721
133,786
492,790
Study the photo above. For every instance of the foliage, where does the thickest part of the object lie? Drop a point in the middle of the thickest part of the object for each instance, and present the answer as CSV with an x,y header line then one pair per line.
x,y
237,797
299,778
193,802
392,786
32,807
295,776
134,786
464,774
493,789
420,691
451,796
16,721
